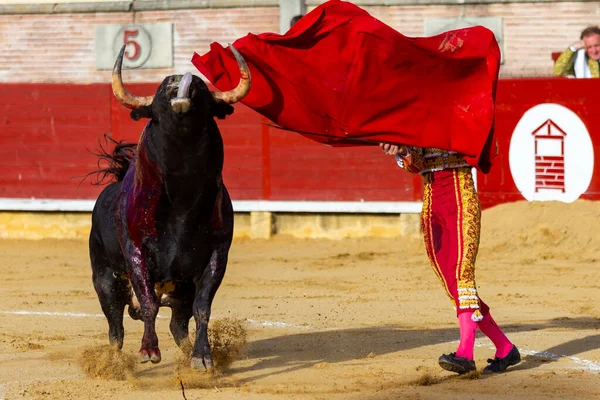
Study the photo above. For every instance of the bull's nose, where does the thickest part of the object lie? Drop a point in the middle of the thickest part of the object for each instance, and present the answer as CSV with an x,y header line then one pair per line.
x,y
182,103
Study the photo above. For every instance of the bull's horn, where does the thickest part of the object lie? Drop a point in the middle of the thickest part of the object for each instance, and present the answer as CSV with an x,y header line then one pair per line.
x,y
242,89
125,98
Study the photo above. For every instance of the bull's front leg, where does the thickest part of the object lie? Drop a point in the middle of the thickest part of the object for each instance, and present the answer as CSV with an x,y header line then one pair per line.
x,y
149,304
206,289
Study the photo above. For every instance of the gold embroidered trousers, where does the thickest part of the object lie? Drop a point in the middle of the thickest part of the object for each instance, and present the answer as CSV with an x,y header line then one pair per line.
x,y
451,222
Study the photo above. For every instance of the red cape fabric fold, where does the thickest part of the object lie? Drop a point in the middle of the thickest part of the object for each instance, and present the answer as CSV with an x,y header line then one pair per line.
x,y
341,77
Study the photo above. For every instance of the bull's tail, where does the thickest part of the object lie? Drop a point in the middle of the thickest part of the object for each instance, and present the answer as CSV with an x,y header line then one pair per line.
x,y
113,165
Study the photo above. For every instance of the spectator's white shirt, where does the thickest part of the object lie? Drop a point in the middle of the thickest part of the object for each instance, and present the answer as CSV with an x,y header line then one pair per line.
x,y
581,66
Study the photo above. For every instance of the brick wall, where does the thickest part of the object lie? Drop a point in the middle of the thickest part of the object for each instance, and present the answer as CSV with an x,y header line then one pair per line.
x,y
532,31
60,47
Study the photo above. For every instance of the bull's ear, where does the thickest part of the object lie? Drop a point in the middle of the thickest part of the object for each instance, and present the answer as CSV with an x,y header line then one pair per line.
x,y
221,110
142,112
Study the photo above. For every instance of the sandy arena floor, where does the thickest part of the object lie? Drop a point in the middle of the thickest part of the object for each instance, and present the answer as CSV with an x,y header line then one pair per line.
x,y
349,319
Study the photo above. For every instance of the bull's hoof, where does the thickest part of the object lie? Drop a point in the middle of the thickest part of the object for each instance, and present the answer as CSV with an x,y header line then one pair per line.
x,y
150,355
203,364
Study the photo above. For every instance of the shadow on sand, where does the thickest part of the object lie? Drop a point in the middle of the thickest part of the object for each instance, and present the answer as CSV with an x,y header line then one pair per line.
x,y
303,350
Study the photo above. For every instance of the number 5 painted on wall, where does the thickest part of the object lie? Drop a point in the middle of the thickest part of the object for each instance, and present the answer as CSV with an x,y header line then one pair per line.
x,y
128,39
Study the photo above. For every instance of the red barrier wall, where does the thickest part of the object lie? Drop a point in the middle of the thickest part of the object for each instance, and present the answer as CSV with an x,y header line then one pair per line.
x,y
514,98
47,132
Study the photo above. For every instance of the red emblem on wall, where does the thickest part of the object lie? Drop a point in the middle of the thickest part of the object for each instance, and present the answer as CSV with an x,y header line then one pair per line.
x,y
549,157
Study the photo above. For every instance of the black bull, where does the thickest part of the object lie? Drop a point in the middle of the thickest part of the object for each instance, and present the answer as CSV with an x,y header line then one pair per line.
x,y
161,233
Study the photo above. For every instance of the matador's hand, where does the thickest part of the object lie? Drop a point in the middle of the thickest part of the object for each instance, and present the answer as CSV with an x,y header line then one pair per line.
x,y
393,149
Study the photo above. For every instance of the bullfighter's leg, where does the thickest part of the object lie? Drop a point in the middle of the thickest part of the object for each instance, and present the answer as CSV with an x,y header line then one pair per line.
x,y
113,294
149,304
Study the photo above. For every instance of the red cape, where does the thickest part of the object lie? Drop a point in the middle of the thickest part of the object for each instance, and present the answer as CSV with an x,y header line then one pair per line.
x,y
341,77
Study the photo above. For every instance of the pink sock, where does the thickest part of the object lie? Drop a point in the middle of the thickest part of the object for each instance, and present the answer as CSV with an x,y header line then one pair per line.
x,y
468,330
489,327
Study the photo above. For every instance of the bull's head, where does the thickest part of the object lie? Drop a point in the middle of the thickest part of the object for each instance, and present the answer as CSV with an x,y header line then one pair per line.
x,y
182,97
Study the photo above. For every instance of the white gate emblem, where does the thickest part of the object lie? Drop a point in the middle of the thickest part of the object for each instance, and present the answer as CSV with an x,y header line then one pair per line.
x,y
551,156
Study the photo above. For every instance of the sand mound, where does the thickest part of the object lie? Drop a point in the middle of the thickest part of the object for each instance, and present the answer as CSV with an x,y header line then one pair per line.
x,y
544,230
186,378
105,362
227,337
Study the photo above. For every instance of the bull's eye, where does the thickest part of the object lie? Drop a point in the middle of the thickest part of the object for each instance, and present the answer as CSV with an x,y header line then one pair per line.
x,y
172,87
171,91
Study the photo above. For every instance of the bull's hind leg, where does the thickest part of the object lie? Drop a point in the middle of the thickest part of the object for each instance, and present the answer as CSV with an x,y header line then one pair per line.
x,y
181,303
113,294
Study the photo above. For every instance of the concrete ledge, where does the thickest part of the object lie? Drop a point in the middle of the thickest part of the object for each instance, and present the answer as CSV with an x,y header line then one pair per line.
x,y
254,225
66,8
261,225
377,207
153,5
129,6
365,3
44,225
340,226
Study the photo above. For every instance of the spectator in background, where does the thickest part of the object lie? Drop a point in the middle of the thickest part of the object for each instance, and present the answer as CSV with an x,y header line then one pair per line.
x,y
295,19
581,59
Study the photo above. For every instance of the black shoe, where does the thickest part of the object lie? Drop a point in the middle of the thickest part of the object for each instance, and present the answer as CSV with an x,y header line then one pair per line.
x,y
500,364
459,365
